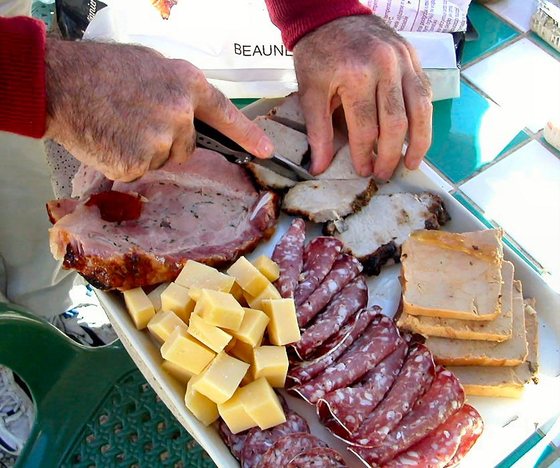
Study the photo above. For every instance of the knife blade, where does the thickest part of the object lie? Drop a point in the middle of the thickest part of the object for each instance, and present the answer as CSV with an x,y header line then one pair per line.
x,y
210,138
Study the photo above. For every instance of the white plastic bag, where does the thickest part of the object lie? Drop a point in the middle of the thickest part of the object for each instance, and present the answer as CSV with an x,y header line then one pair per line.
x,y
238,47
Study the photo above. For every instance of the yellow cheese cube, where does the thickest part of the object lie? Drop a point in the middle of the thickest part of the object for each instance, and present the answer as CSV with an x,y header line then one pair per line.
x,y
198,275
209,335
237,292
176,298
234,415
139,307
155,296
248,378
270,362
220,309
262,404
230,345
252,327
248,277
221,378
185,351
242,351
283,327
194,293
270,292
204,409
177,372
267,267
163,323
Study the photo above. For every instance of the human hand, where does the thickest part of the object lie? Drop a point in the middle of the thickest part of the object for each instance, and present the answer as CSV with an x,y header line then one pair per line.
x,y
361,64
126,109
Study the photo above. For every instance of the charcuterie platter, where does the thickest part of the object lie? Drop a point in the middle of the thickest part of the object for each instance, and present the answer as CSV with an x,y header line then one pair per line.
x,y
507,421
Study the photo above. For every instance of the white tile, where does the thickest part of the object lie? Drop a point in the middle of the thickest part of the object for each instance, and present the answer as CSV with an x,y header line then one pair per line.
x,y
523,79
522,194
517,12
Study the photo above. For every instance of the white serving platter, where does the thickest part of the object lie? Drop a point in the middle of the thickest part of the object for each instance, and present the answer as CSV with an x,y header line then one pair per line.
x,y
508,422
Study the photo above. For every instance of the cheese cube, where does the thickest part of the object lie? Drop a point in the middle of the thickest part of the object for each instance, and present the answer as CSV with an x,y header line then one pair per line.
x,y
242,351
248,378
198,275
262,404
270,362
221,378
204,409
176,298
248,277
230,345
220,309
194,293
163,323
234,415
267,267
270,292
139,307
185,351
155,296
177,372
252,327
209,335
283,327
237,292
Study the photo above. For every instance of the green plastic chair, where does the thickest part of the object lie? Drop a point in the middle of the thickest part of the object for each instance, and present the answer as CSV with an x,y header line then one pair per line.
x,y
93,407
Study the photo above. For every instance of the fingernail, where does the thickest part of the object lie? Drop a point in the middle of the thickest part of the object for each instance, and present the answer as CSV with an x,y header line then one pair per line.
x,y
265,147
382,174
365,170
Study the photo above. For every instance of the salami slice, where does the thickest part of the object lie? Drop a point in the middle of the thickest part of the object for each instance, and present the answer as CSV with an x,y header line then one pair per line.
x,y
331,350
288,447
235,442
413,381
379,340
288,254
438,448
469,439
344,270
319,256
444,398
319,457
344,410
353,297
258,441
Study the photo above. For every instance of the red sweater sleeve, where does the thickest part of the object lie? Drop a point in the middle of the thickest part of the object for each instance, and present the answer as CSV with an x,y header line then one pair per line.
x,y
23,101
295,18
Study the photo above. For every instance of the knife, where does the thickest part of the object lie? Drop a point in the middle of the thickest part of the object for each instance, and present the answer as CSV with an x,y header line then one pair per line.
x,y
210,138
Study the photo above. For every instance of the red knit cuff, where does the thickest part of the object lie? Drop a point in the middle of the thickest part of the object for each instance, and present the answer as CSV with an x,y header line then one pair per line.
x,y
296,18
23,100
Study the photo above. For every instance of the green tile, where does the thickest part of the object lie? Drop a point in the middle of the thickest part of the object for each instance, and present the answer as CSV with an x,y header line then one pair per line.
x,y
468,133
545,45
242,102
492,30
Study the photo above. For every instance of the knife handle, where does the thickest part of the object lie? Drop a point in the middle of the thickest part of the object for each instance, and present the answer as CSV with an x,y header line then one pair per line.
x,y
206,130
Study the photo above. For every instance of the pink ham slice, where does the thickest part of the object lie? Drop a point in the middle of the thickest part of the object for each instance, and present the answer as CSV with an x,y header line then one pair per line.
x,y
206,210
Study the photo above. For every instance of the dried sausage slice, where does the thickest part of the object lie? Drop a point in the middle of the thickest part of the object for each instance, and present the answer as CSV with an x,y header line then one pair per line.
x,y
235,442
319,457
469,439
438,448
344,270
288,447
352,298
344,410
288,254
318,258
413,381
379,340
444,398
332,349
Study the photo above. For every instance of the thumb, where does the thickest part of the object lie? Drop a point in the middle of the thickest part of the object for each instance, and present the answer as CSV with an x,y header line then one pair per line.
x,y
219,112
318,120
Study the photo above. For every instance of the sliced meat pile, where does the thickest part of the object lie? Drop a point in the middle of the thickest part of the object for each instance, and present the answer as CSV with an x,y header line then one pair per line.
x,y
141,233
287,445
373,387
375,234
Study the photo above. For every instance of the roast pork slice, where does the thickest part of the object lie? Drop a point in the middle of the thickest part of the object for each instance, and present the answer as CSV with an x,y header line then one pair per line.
x,y
376,233
289,143
326,200
88,181
289,113
206,209
341,166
